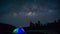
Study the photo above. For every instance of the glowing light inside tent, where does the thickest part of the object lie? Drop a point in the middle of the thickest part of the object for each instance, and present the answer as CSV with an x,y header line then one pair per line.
x,y
19,31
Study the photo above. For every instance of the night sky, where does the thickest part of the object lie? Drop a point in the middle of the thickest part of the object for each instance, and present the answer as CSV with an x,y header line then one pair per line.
x,y
21,12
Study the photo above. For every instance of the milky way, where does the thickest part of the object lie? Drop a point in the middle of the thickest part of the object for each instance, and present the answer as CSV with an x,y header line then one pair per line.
x,y
21,12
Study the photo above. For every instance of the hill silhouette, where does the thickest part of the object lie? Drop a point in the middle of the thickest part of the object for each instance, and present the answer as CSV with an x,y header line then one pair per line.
x,y
6,28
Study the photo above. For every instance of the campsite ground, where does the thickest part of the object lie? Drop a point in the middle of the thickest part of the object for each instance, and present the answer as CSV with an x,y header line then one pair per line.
x,y
41,32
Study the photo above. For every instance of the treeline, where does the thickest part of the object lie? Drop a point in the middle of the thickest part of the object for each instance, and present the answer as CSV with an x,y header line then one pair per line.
x,y
55,26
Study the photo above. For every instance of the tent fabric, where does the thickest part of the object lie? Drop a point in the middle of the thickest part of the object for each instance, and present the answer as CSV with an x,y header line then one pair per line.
x,y
19,31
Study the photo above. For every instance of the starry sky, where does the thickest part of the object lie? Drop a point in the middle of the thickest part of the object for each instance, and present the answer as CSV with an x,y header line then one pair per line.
x,y
21,12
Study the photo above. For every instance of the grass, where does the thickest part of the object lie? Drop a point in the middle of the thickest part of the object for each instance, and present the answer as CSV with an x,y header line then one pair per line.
x,y
37,31
43,31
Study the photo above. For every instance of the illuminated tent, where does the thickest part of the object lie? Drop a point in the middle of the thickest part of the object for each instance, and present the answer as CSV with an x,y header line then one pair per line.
x,y
18,31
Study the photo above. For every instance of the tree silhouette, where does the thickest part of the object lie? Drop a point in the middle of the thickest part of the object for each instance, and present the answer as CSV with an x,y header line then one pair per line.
x,y
31,25
39,23
59,21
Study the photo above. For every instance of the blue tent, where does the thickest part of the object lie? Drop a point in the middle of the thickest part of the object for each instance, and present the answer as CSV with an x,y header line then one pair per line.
x,y
19,31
